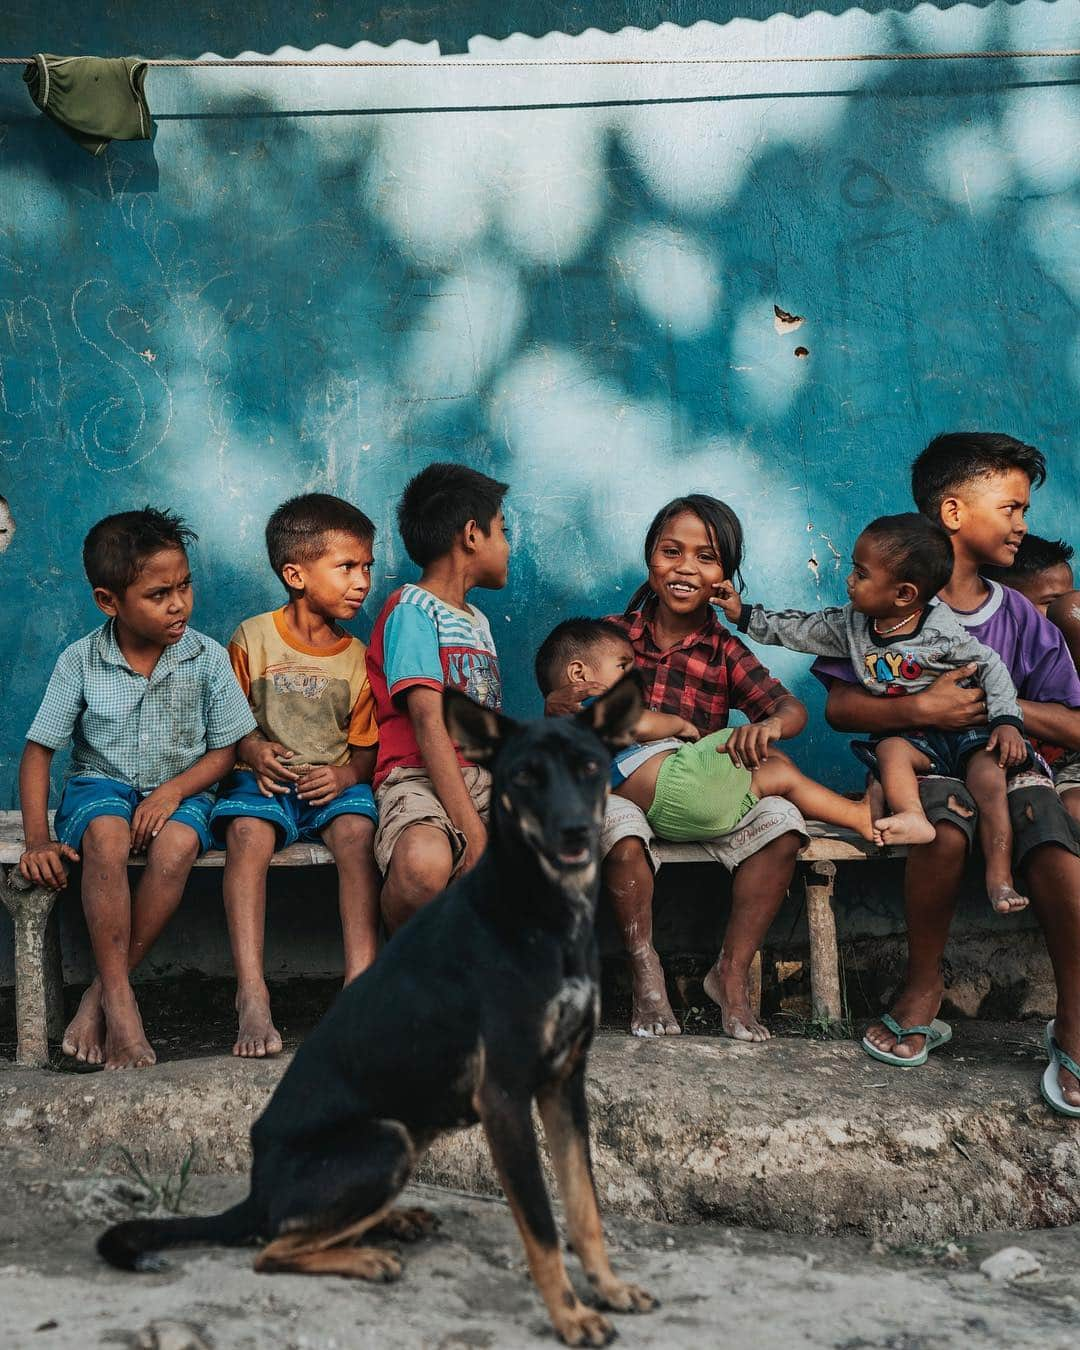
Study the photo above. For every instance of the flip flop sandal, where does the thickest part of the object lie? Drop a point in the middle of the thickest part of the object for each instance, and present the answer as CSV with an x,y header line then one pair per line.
x,y
938,1033
1050,1087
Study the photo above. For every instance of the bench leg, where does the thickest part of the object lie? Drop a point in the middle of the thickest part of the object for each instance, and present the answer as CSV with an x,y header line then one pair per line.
x,y
824,957
39,985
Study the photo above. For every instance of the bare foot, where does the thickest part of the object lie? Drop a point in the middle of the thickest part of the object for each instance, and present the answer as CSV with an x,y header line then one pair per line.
x,y
84,1038
1005,899
906,827
729,990
651,1014
1067,1035
257,1036
126,1046
912,1008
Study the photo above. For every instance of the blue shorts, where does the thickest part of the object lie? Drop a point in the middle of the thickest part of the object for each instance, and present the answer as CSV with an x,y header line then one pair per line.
x,y
947,751
84,798
294,818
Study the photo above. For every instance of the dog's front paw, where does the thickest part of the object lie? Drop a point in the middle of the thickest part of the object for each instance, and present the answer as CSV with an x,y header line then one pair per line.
x,y
580,1325
622,1297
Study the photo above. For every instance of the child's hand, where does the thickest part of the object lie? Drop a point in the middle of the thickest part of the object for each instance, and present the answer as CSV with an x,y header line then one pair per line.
x,y
475,843
151,814
321,784
1009,744
566,701
43,864
748,746
726,598
656,726
272,774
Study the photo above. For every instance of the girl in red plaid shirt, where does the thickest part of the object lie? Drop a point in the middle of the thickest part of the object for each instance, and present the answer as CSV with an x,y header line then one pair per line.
x,y
694,668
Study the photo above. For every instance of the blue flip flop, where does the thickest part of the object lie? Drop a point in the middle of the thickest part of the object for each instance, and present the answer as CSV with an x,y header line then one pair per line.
x,y
1050,1087
938,1033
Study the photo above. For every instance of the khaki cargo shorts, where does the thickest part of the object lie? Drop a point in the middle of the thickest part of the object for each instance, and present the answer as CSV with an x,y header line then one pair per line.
x,y
768,820
406,797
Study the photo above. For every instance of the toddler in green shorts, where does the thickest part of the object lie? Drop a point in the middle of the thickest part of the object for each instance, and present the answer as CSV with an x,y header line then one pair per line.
x,y
689,787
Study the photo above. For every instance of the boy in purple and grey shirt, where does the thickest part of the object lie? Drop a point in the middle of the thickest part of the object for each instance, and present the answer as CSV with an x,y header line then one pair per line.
x,y
978,485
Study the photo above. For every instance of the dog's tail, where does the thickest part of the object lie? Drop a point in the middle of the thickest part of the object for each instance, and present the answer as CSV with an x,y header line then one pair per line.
x,y
131,1245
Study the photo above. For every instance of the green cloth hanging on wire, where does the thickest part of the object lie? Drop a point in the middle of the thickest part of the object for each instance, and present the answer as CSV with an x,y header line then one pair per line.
x,y
95,99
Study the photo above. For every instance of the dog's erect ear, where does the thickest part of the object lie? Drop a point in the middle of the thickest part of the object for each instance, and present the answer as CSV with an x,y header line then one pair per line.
x,y
614,715
478,732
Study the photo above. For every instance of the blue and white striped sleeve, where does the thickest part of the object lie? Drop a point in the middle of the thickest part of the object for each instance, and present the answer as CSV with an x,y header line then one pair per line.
x,y
228,713
63,704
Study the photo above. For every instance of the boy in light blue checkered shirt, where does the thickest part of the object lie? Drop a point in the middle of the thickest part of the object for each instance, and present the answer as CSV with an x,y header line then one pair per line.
x,y
153,712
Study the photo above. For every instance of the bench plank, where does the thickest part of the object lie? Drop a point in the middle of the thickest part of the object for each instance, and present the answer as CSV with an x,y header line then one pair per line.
x,y
827,844
37,964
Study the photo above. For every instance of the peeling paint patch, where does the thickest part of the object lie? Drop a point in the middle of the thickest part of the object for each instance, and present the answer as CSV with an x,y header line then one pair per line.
x,y
784,322
831,546
148,355
7,525
802,352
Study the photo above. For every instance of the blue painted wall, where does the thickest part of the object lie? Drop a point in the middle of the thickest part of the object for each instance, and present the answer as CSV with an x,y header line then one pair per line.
x,y
323,280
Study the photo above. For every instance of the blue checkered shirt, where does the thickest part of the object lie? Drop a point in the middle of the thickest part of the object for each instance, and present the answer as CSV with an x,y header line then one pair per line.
x,y
136,730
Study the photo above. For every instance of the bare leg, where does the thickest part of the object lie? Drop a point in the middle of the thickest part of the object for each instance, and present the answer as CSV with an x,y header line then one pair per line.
x,y
350,839
986,782
932,879
107,904
419,870
249,846
757,892
1053,877
781,777
1071,802
628,882
105,891
157,896
898,764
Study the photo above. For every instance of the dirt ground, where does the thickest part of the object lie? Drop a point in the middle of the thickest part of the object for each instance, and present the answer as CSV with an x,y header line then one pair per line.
x,y
467,1286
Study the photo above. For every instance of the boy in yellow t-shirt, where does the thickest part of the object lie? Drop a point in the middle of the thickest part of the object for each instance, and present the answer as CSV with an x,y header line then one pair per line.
x,y
306,772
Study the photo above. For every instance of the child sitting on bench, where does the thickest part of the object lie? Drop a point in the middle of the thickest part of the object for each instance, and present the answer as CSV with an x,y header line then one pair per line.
x,y
899,641
689,788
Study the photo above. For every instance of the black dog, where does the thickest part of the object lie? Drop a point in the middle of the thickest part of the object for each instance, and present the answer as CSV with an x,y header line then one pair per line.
x,y
484,1002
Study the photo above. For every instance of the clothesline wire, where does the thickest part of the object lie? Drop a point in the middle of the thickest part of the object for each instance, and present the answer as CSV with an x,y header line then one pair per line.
x,y
468,63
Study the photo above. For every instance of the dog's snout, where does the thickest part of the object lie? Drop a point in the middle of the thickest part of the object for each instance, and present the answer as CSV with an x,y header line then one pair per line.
x,y
575,837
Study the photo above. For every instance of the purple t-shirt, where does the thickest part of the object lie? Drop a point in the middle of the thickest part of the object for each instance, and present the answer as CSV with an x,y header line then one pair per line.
x,y
1033,650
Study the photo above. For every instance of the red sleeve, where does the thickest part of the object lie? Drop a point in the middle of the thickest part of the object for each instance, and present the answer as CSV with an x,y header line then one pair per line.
x,y
752,689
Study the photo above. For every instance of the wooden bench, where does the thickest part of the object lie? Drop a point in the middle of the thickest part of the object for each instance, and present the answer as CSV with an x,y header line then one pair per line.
x,y
39,977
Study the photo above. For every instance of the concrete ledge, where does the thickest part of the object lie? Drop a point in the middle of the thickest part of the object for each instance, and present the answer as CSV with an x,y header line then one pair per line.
x,y
795,1136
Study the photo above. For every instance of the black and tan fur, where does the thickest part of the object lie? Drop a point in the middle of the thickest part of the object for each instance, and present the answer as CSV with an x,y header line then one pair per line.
x,y
482,1004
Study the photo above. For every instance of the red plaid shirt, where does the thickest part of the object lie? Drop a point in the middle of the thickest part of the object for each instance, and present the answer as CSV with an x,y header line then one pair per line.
x,y
704,676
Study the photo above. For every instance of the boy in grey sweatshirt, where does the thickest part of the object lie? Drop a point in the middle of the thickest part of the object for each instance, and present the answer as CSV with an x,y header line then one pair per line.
x,y
899,641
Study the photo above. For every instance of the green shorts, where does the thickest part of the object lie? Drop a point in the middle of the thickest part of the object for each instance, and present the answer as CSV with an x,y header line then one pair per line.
x,y
700,792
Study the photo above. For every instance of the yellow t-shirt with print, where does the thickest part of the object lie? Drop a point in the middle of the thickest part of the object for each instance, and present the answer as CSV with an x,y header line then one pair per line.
x,y
316,701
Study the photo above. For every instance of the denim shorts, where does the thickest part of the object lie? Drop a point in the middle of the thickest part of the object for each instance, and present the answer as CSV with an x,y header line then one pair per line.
x,y
947,751
290,814
1036,812
84,798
